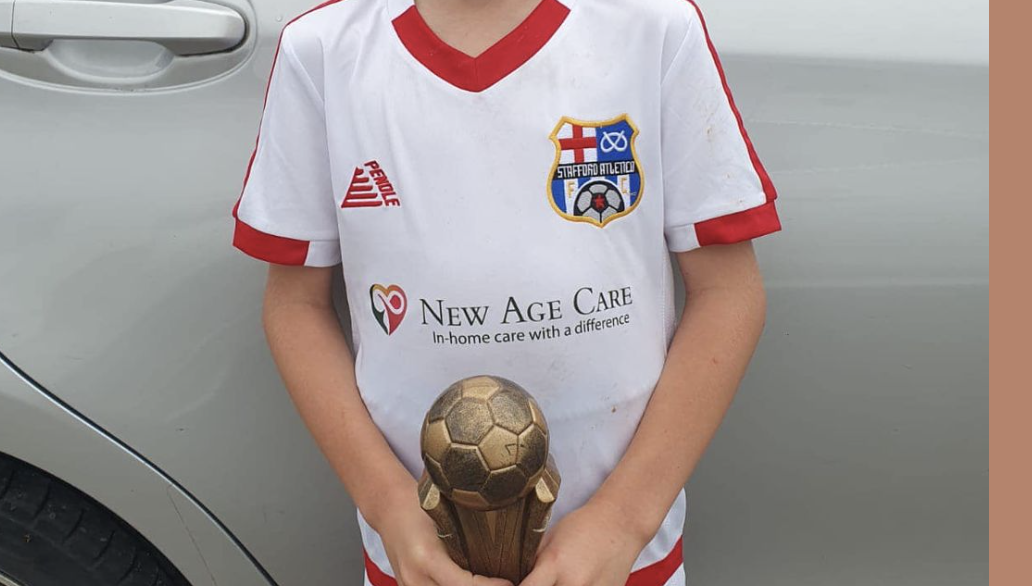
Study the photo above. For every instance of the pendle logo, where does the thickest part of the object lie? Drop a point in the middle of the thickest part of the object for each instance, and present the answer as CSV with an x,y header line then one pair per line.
x,y
370,189
389,305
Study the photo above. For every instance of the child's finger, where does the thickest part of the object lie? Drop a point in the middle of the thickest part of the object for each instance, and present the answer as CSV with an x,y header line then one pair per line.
x,y
445,572
541,575
544,541
485,581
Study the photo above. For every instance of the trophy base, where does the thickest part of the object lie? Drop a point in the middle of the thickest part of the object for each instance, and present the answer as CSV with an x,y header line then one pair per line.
x,y
500,543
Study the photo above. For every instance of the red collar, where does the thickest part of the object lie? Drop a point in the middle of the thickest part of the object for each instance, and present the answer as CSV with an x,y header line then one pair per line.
x,y
478,73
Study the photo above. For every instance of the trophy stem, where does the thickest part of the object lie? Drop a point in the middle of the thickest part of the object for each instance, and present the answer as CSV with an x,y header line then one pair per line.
x,y
494,540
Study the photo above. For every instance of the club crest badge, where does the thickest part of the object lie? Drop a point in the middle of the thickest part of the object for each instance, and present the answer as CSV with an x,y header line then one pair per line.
x,y
596,176
389,305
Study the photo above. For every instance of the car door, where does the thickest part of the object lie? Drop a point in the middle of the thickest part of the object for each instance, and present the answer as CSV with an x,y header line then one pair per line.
x,y
125,130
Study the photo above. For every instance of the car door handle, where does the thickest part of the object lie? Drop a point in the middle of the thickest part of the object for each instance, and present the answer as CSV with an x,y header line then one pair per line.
x,y
185,27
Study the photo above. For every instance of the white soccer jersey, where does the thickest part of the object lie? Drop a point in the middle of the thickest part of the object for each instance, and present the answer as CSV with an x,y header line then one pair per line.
x,y
509,214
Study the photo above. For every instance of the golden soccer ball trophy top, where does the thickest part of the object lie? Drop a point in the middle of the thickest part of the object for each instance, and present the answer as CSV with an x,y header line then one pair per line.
x,y
490,482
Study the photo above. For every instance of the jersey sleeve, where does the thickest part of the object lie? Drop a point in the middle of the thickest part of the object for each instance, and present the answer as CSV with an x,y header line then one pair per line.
x,y
286,213
715,188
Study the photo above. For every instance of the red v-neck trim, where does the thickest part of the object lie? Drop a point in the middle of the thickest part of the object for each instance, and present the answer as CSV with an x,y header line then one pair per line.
x,y
475,74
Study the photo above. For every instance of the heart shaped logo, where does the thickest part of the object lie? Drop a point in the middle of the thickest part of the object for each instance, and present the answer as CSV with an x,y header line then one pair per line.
x,y
389,306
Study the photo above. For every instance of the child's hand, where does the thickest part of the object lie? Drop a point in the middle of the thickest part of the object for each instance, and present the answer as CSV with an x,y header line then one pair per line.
x,y
416,554
588,547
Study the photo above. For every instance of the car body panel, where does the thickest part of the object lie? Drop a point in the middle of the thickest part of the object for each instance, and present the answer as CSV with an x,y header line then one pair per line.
x,y
120,479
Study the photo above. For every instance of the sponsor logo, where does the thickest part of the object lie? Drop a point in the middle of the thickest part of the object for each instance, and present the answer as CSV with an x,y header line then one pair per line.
x,y
596,176
389,305
370,188
510,320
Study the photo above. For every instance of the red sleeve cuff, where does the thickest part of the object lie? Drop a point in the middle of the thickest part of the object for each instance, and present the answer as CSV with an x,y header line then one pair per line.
x,y
268,247
738,227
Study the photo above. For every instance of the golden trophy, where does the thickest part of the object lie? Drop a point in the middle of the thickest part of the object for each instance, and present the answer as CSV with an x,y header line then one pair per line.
x,y
490,482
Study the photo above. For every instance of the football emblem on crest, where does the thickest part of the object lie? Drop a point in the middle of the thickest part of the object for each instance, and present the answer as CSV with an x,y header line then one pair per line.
x,y
389,305
596,176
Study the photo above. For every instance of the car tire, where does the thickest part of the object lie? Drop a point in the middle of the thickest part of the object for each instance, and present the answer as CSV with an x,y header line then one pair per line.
x,y
54,535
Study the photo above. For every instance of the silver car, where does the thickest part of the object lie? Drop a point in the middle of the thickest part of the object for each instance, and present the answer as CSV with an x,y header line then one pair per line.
x,y
146,437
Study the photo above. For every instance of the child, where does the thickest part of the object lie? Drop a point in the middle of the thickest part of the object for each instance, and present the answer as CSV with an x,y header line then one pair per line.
x,y
510,214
